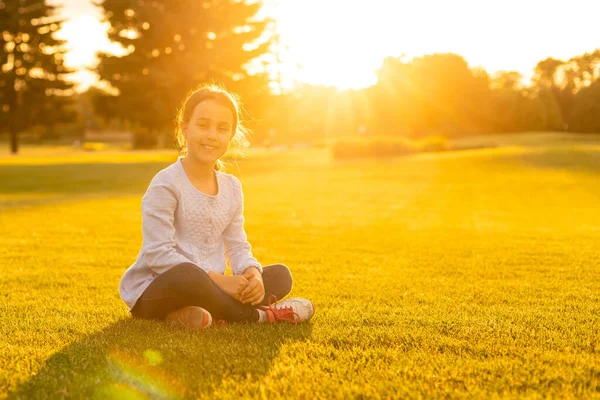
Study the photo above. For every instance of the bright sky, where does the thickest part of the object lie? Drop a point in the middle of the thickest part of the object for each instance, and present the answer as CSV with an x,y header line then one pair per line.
x,y
342,42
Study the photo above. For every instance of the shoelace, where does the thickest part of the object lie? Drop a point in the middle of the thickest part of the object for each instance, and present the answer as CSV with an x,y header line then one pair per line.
x,y
286,313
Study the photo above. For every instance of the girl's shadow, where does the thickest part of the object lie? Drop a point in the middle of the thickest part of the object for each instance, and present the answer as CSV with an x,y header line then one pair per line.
x,y
134,359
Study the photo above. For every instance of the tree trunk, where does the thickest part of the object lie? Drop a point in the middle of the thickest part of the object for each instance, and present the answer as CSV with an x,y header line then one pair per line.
x,y
14,144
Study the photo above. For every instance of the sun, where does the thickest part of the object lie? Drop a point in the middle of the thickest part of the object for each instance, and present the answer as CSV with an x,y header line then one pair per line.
x,y
332,43
85,35
342,43
327,43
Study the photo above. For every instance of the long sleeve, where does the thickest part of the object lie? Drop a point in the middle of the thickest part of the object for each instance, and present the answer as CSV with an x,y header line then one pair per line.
x,y
158,214
238,252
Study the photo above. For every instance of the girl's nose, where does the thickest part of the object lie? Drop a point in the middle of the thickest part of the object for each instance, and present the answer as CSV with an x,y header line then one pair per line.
x,y
211,134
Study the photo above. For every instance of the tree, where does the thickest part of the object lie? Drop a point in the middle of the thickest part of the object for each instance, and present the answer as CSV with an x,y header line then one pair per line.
x,y
433,94
546,72
171,48
32,85
512,108
586,109
554,92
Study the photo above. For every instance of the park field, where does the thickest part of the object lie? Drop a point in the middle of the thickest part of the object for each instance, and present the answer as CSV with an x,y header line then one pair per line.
x,y
463,274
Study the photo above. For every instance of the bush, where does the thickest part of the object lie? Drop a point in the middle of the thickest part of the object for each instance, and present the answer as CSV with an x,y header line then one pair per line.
x,y
320,144
345,149
433,144
93,146
384,147
390,148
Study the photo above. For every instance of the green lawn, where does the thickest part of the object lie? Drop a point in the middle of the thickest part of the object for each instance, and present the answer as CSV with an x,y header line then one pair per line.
x,y
463,274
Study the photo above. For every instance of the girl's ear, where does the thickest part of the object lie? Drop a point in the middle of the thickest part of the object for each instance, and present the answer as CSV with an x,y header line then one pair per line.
x,y
184,128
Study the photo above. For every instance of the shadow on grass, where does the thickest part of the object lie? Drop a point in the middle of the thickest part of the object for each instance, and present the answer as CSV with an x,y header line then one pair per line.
x,y
33,185
576,159
78,178
97,178
134,359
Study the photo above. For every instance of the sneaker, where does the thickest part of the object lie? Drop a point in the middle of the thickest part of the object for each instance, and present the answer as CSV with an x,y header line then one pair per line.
x,y
191,317
293,310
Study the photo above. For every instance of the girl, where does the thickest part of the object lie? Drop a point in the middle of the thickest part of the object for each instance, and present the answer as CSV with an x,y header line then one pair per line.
x,y
192,223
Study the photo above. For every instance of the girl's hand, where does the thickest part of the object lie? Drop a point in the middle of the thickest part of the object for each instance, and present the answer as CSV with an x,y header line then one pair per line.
x,y
255,291
232,285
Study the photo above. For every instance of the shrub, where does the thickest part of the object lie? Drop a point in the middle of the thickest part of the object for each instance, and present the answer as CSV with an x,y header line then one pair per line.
x,y
433,144
345,149
386,147
93,146
320,144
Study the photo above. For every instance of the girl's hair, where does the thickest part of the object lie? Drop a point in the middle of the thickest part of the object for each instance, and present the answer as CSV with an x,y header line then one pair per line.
x,y
217,93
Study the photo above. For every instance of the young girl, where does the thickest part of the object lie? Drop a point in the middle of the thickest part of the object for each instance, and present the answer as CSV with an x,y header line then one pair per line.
x,y
192,223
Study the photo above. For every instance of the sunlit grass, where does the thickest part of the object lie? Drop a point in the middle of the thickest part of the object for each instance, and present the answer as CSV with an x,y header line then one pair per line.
x,y
473,273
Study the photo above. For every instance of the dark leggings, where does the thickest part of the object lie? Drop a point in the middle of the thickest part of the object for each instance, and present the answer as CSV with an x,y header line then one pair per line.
x,y
188,285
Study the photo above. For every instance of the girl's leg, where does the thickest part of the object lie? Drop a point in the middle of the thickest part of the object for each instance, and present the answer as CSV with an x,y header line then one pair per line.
x,y
277,279
187,285
278,282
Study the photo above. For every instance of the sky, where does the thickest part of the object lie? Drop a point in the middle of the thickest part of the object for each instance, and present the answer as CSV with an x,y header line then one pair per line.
x,y
342,42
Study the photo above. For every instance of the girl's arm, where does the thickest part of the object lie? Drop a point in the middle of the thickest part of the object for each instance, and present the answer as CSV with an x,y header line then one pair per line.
x,y
158,214
238,251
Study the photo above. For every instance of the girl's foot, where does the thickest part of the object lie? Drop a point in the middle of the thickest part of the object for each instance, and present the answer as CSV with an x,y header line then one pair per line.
x,y
191,317
290,310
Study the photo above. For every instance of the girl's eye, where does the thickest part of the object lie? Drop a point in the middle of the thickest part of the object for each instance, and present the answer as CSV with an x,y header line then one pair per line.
x,y
223,129
202,126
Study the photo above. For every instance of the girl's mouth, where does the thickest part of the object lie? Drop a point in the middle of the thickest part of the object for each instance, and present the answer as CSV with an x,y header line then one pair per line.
x,y
206,146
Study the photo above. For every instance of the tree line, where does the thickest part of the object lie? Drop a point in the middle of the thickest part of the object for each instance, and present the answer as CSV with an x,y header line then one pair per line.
x,y
171,47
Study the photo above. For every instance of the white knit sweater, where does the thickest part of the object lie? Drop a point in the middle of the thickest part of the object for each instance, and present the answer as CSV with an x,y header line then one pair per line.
x,y
182,224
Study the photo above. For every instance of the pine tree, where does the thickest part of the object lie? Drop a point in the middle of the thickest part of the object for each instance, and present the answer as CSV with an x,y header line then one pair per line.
x,y
32,85
172,47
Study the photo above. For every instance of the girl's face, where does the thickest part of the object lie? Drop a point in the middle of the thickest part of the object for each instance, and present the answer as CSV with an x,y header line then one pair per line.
x,y
208,131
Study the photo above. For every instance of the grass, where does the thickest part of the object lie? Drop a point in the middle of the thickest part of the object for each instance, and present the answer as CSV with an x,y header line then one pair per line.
x,y
462,274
